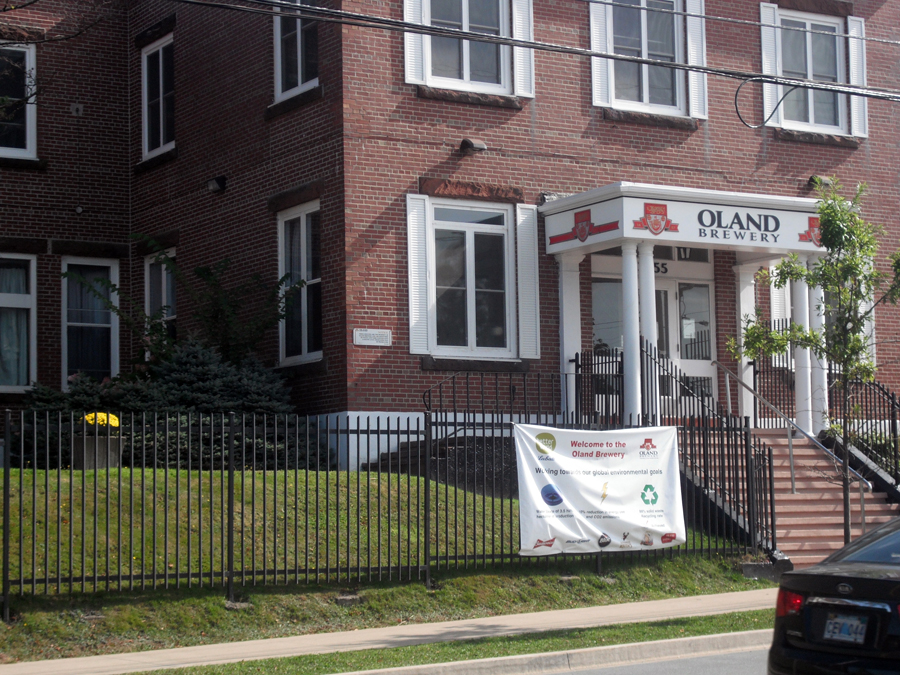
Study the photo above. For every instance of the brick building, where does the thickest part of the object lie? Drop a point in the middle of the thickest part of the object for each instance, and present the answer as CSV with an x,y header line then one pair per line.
x,y
452,205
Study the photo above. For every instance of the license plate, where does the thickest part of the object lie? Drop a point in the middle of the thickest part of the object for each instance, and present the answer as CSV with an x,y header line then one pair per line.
x,y
846,628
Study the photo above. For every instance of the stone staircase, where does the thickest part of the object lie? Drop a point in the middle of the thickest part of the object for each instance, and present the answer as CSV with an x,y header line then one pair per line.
x,y
810,523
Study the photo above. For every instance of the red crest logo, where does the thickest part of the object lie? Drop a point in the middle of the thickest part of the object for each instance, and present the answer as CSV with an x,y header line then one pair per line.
x,y
648,444
583,229
656,219
813,233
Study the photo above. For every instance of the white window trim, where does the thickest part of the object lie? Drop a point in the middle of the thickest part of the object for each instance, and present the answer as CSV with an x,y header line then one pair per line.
x,y
150,49
113,266
851,59
29,302
149,260
472,351
306,357
302,86
523,295
30,149
690,49
841,56
517,65
505,86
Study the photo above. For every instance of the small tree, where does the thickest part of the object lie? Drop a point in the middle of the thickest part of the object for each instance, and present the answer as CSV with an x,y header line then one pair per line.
x,y
853,288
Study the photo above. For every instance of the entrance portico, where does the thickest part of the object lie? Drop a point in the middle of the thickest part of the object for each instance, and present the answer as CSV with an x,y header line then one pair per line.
x,y
635,218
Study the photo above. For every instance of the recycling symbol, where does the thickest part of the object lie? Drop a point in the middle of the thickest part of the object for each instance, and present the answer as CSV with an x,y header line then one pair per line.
x,y
649,496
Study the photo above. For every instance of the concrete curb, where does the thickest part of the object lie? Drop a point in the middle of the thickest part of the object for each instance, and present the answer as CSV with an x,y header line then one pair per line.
x,y
593,657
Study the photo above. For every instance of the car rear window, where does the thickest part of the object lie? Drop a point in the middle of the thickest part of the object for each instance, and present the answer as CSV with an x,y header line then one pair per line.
x,y
884,549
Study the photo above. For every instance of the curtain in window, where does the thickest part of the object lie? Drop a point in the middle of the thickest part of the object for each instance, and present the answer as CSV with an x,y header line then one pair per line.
x,y
13,329
89,330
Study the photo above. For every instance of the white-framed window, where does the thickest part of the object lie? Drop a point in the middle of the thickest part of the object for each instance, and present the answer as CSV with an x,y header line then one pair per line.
x,y
18,112
158,96
18,322
300,260
296,56
469,65
90,335
655,30
473,279
159,291
813,47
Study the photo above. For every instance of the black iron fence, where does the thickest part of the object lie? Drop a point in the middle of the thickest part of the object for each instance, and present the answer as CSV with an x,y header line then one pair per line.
x,y
103,501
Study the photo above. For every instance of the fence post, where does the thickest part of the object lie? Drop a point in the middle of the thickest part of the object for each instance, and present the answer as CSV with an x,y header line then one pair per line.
x,y
7,446
751,485
429,442
231,507
895,441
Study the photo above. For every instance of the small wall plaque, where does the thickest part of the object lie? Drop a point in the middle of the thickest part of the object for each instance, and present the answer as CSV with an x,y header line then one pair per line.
x,y
371,338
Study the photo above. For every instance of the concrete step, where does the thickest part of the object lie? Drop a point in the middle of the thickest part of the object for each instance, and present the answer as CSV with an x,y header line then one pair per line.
x,y
837,520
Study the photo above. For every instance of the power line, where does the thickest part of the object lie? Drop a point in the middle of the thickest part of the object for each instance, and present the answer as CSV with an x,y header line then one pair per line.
x,y
326,15
740,22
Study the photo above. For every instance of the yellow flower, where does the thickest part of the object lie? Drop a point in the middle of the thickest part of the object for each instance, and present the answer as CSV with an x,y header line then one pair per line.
x,y
101,419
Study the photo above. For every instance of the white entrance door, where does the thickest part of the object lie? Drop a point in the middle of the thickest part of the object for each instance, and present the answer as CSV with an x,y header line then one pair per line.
x,y
685,330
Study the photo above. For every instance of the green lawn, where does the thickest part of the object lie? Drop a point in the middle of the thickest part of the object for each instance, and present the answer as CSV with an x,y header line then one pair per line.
x,y
72,529
53,626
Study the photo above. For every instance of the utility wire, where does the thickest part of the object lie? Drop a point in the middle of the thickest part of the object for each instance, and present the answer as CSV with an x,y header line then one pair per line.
x,y
301,11
740,22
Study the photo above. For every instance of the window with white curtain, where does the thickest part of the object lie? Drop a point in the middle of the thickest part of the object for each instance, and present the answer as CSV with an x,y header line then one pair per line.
x,y
656,30
469,65
17,322
158,92
159,284
300,261
813,47
18,111
296,55
90,335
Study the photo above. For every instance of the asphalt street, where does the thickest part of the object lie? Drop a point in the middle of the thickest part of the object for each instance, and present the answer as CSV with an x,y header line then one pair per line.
x,y
734,663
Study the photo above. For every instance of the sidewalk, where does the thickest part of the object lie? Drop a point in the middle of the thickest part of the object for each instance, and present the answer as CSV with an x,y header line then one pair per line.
x,y
404,636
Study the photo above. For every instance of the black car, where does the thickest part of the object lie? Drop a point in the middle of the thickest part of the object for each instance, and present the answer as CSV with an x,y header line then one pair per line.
x,y
842,615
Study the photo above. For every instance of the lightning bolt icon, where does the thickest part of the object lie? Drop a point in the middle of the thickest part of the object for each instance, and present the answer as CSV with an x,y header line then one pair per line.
x,y
603,494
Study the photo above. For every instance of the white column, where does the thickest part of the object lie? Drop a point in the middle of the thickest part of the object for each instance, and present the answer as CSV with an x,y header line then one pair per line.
x,y
631,336
819,374
746,297
569,323
647,292
802,383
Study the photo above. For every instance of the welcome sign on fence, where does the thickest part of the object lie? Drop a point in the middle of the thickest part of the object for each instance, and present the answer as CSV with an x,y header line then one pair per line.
x,y
590,491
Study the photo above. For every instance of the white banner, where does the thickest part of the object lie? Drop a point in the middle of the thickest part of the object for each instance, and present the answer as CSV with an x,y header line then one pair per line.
x,y
588,491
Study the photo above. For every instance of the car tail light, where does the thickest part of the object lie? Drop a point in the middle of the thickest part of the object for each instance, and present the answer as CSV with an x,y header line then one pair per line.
x,y
788,603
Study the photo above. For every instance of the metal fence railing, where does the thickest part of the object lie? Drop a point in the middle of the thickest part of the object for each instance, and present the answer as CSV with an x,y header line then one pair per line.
x,y
107,502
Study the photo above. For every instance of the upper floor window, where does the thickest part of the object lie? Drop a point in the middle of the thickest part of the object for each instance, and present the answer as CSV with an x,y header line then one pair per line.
x,y
473,279
18,113
654,30
296,56
813,47
18,309
158,91
300,260
91,329
470,65
159,282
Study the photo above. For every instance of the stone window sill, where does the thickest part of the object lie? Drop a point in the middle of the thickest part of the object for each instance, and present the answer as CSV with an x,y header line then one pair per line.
x,y
474,365
816,138
294,102
26,164
154,162
319,367
651,119
472,98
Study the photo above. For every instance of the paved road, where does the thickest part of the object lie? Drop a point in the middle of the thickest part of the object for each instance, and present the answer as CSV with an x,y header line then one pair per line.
x,y
734,663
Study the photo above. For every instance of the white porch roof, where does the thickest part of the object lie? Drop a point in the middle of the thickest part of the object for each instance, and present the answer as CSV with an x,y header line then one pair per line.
x,y
754,225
